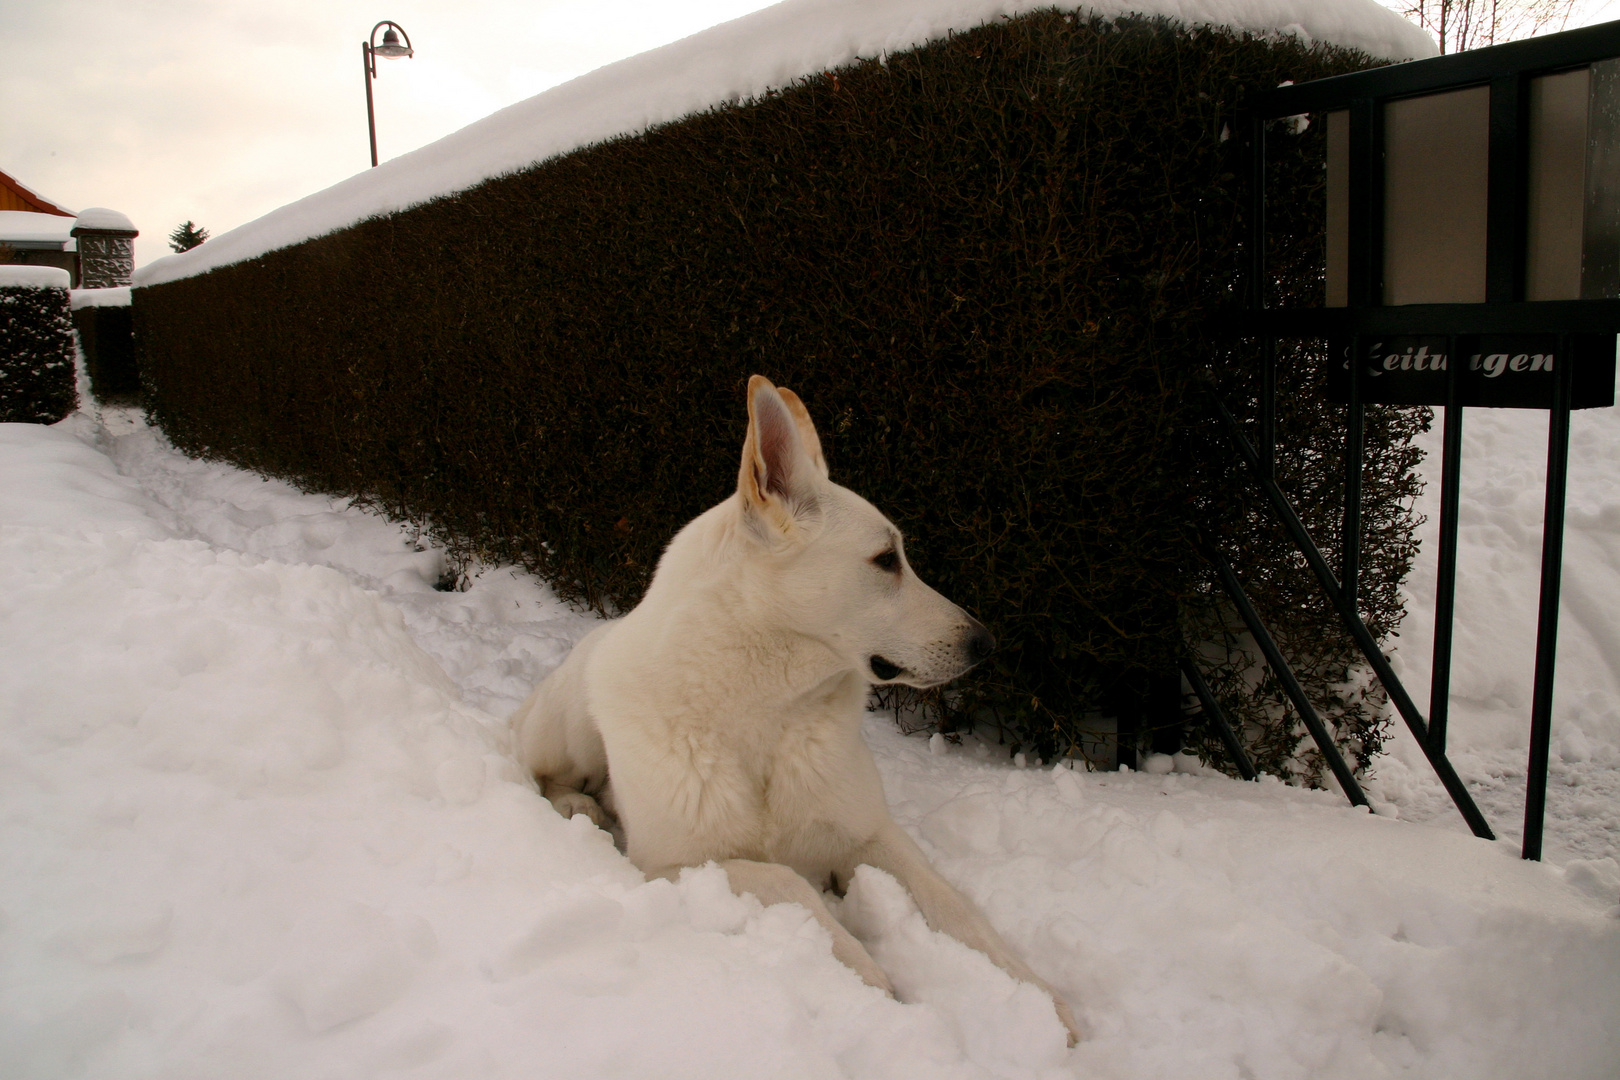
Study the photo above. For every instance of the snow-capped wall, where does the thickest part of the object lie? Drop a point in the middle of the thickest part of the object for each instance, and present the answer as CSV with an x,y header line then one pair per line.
x,y
731,62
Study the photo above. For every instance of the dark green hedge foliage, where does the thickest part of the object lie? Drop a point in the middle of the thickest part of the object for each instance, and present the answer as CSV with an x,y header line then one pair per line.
x,y
106,336
990,266
36,356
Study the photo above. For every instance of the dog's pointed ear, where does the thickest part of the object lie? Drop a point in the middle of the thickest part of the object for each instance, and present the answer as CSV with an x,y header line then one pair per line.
x,y
807,428
777,478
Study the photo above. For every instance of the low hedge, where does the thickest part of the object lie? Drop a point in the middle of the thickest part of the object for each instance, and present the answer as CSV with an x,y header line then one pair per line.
x,y
990,265
36,346
106,338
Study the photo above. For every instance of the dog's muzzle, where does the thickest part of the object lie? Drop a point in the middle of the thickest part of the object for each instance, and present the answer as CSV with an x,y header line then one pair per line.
x,y
978,645
884,669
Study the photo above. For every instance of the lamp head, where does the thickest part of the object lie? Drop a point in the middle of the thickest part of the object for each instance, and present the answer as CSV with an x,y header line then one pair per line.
x,y
391,48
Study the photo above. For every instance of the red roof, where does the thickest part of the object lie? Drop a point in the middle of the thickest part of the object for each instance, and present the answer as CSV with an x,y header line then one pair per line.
x,y
38,203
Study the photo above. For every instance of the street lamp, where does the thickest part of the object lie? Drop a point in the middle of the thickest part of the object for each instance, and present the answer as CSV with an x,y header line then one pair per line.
x,y
390,49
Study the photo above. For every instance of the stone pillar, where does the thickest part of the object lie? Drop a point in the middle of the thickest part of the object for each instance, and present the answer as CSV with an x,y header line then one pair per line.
x,y
106,248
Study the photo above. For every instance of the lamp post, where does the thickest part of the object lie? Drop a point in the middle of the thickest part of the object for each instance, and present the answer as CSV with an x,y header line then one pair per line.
x,y
390,49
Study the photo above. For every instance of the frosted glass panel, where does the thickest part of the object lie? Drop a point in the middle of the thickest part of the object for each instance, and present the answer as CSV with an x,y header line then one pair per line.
x,y
1338,208
1557,192
1436,155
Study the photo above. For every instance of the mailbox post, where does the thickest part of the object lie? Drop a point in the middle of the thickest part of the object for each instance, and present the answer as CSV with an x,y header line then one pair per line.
x,y
1472,259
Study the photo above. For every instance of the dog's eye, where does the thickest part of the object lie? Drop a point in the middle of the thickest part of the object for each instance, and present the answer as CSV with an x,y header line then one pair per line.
x,y
888,560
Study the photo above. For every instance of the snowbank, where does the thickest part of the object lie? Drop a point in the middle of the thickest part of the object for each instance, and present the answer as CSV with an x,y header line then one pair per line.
x,y
257,819
731,62
34,277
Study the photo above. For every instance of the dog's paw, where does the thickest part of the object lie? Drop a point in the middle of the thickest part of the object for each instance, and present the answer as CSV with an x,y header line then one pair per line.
x,y
569,803
872,975
1067,1019
853,955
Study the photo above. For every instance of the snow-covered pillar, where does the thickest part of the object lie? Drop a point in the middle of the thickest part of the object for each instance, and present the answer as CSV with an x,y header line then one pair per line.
x,y
106,248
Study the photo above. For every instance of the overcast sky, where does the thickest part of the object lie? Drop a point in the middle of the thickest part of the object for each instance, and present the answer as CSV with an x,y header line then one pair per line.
x,y
217,111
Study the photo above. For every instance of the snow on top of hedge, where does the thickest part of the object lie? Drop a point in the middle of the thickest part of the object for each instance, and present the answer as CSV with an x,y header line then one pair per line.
x,y
118,296
34,277
732,62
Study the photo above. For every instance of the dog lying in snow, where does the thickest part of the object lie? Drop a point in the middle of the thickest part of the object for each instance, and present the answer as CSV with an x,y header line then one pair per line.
x,y
727,707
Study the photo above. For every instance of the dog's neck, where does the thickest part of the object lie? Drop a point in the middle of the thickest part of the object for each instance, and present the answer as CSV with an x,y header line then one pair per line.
x,y
698,607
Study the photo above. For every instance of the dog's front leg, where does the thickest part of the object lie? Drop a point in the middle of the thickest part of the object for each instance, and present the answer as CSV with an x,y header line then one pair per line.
x,y
773,883
949,912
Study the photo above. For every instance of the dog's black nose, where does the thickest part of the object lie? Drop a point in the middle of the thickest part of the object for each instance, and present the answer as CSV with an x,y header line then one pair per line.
x,y
981,644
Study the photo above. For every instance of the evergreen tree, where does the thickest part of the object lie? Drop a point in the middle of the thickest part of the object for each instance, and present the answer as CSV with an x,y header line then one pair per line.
x,y
187,236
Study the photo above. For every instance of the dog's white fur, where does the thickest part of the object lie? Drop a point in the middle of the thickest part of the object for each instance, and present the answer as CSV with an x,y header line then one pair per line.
x,y
727,706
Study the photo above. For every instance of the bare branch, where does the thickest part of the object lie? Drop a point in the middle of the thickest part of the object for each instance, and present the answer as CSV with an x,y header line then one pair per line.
x,y
1472,24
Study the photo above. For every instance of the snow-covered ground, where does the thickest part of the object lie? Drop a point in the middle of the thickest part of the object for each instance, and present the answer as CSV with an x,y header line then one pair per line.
x,y
1499,563
257,819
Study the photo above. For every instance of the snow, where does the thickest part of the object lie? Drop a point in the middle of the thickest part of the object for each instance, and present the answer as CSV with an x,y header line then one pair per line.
x,y
732,62
258,819
34,277
100,218
114,297
1499,561
25,226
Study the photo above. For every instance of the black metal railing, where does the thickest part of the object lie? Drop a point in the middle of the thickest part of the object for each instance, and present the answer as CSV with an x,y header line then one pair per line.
x,y
1345,607
1580,332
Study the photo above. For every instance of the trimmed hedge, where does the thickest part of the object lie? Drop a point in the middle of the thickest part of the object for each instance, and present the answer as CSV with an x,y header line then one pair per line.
x,y
990,266
107,339
36,353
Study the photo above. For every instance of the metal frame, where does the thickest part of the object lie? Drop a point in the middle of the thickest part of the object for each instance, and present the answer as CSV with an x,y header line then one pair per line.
x,y
1506,69
1217,719
1285,675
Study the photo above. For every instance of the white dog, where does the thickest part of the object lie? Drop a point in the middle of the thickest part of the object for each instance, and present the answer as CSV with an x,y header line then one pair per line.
x,y
727,706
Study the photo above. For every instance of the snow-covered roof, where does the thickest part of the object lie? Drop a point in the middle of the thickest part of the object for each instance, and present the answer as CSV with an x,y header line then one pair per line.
x,y
102,219
118,296
34,277
26,226
734,61
29,195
